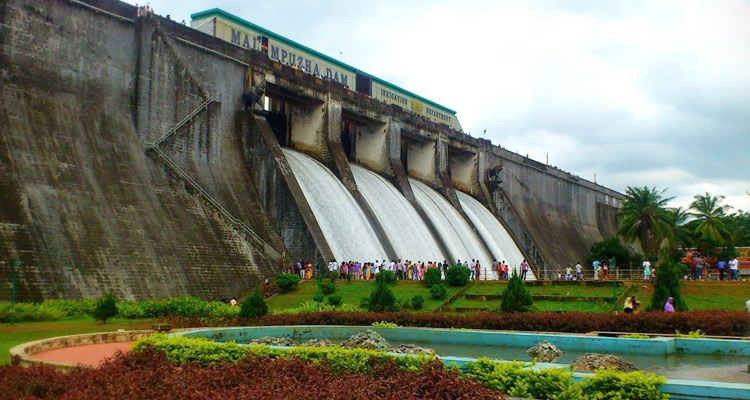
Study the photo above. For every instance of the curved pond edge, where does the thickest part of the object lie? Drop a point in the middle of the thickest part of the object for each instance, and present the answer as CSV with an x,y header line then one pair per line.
x,y
678,389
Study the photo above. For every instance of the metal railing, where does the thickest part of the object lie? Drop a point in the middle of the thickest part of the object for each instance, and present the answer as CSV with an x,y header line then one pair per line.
x,y
180,124
235,221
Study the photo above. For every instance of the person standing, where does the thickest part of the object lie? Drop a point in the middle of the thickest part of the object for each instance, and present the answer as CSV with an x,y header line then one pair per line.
x,y
605,268
646,269
494,269
524,269
595,264
721,266
473,268
569,273
669,305
699,264
579,271
734,266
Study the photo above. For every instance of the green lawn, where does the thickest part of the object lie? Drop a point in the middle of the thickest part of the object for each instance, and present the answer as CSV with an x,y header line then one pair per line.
x,y
352,292
476,303
574,291
579,306
13,335
489,287
729,296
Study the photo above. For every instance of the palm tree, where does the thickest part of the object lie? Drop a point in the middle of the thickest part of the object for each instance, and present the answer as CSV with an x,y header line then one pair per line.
x,y
644,217
680,231
711,214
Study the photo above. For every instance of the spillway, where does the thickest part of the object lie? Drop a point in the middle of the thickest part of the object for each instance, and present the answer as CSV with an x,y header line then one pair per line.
x,y
456,233
495,235
345,226
409,235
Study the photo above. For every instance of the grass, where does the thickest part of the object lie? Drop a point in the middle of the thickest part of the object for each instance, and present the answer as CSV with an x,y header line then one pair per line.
x,y
729,296
13,335
569,306
554,290
352,292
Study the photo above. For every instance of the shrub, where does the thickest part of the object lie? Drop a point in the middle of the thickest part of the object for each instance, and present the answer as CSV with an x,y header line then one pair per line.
x,y
667,284
438,291
30,312
432,277
696,334
287,282
515,379
254,306
333,276
349,276
606,384
381,299
328,288
635,336
318,297
457,275
106,308
515,296
387,277
417,302
384,324
312,306
334,300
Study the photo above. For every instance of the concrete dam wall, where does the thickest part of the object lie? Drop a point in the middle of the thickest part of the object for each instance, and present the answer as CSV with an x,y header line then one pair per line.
x,y
129,163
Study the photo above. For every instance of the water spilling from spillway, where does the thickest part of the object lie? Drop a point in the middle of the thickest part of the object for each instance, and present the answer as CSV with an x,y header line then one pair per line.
x,y
498,239
344,224
456,233
409,235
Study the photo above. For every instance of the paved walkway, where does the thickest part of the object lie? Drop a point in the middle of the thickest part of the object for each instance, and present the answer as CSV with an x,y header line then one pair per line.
x,y
92,354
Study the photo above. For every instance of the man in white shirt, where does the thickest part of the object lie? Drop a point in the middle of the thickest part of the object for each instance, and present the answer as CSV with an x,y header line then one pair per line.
x,y
734,267
579,271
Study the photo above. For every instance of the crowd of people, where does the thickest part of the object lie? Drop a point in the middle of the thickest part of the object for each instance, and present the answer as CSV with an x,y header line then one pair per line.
x,y
408,269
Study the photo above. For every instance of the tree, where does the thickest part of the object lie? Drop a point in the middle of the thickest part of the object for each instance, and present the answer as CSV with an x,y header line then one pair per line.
x,y
712,223
432,277
739,224
106,308
644,217
254,306
515,297
457,275
608,248
382,298
666,285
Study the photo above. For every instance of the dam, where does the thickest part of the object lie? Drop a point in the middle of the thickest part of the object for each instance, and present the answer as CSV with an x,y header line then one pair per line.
x,y
155,159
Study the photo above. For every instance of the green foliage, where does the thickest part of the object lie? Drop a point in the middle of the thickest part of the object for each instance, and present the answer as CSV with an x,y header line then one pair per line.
x,y
254,306
635,336
696,334
432,277
384,324
318,297
334,300
382,298
712,226
184,350
516,298
313,306
644,217
106,308
287,282
608,248
349,276
327,288
387,277
457,275
417,302
30,312
438,291
516,380
739,224
667,284
609,384
333,276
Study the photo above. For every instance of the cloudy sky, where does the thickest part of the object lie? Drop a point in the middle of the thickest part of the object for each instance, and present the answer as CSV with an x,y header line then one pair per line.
x,y
639,93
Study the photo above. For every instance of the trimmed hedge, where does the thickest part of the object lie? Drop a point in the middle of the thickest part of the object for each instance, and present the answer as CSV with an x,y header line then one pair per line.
x,y
721,323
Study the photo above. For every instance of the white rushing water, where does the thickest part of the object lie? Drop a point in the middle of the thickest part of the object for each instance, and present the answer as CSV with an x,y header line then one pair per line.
x,y
344,224
456,233
406,230
498,239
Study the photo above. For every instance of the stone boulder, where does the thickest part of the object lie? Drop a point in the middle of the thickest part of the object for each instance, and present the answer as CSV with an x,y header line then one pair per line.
x,y
273,341
319,343
411,349
368,339
545,352
590,362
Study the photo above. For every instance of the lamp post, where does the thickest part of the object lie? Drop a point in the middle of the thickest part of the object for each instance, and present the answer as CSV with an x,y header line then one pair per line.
x,y
614,284
318,266
13,264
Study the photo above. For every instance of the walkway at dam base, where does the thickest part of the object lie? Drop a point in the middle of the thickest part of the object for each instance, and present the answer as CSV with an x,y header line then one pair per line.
x,y
691,365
